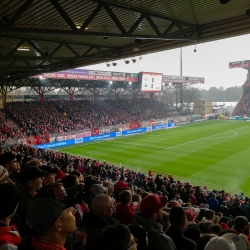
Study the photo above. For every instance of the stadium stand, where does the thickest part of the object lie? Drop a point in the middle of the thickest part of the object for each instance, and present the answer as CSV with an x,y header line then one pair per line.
x,y
35,118
97,198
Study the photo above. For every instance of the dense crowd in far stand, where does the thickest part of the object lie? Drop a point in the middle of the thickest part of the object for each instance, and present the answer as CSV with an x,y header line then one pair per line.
x,y
244,108
51,117
51,200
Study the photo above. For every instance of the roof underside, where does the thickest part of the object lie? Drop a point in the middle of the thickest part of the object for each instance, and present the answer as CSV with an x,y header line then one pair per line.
x,y
65,34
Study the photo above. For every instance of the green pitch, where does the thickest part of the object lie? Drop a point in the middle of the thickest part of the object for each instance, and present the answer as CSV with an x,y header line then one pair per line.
x,y
213,153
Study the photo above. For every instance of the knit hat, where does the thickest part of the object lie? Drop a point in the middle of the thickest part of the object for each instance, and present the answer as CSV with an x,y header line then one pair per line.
x,y
220,243
9,198
175,204
238,241
49,169
190,215
151,204
6,158
31,173
3,173
120,184
48,205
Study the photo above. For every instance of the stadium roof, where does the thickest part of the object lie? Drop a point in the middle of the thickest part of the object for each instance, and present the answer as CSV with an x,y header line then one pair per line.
x,y
39,36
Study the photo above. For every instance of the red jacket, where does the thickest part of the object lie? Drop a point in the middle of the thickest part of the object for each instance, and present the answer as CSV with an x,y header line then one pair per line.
x,y
124,213
192,199
9,236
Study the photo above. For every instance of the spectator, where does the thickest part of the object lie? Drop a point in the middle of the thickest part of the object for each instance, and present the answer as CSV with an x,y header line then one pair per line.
x,y
56,219
179,224
124,211
9,162
237,210
115,237
215,229
31,179
191,197
178,200
203,240
98,189
239,242
224,208
213,203
220,243
224,222
239,224
9,235
50,178
4,176
98,218
151,213
70,181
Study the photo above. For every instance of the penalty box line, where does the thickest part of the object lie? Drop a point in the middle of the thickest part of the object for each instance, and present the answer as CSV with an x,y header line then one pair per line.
x,y
181,143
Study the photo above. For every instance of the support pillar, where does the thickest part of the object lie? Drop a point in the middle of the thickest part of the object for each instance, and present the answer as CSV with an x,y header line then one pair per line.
x,y
134,97
117,97
181,93
151,95
40,95
96,97
71,95
4,99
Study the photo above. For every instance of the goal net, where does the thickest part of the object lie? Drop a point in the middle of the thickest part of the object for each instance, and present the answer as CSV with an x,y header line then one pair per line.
x,y
156,125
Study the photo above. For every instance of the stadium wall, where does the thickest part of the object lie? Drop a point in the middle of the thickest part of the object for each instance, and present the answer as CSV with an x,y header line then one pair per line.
x,y
101,137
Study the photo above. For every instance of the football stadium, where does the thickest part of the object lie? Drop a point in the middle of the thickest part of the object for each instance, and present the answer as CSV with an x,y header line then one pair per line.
x,y
212,153
124,125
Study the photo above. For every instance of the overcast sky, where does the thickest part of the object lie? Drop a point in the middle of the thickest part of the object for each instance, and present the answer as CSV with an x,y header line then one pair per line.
x,y
211,61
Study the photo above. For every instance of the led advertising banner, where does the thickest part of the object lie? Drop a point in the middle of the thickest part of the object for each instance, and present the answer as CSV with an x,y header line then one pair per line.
x,y
81,74
239,64
183,79
150,82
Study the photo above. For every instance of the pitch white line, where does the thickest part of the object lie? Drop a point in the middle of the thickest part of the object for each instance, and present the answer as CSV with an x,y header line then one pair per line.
x,y
173,132
185,142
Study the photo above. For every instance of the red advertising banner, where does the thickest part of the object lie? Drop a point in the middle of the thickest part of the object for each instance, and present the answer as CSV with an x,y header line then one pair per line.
x,y
239,64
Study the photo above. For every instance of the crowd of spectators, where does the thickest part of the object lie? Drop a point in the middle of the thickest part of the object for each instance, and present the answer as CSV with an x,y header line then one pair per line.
x,y
51,117
51,200
7,132
35,118
244,108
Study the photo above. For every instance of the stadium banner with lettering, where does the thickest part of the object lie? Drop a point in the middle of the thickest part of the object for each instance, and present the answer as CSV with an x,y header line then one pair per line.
x,y
99,137
182,79
69,137
239,64
81,74
55,144
238,118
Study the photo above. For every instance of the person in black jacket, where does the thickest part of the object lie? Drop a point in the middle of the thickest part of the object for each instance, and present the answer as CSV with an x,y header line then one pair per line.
x,y
237,210
179,224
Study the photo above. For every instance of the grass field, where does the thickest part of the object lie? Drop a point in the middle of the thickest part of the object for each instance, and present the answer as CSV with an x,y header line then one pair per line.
x,y
216,153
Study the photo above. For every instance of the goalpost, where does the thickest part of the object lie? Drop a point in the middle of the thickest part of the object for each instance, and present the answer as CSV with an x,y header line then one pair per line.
x,y
158,125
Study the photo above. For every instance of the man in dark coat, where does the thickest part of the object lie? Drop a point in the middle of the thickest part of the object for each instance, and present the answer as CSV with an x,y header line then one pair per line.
x,y
179,224
98,218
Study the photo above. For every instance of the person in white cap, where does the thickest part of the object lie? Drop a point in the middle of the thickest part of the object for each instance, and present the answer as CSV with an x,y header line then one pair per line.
x,y
220,243
237,240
